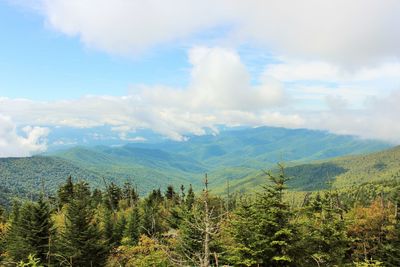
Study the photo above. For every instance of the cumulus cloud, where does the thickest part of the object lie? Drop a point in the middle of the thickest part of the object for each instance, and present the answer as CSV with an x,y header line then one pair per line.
x,y
352,33
220,92
376,120
13,144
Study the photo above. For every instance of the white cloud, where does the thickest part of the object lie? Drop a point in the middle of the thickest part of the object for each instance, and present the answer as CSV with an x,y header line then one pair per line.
x,y
376,120
352,33
220,92
292,71
123,27
14,145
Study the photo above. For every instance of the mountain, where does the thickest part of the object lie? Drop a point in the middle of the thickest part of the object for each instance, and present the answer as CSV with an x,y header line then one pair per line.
x,y
263,146
148,168
334,173
26,176
235,155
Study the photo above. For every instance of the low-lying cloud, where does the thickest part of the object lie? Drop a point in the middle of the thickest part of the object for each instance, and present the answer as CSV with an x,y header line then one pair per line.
x,y
13,144
221,92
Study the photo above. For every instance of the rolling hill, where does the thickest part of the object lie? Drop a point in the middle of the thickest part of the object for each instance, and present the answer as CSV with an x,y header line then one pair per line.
x,y
339,172
235,155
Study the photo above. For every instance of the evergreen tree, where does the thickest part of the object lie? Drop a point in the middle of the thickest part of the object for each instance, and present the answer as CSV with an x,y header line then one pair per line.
x,y
17,247
81,244
190,198
30,232
97,197
269,236
133,229
152,220
119,230
130,194
324,239
108,227
113,196
66,192
41,231
170,193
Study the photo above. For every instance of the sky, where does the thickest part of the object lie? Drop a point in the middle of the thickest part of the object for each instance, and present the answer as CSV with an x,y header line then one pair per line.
x,y
182,67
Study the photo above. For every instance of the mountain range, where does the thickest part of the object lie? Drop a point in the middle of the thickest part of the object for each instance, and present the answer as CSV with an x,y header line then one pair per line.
x,y
235,155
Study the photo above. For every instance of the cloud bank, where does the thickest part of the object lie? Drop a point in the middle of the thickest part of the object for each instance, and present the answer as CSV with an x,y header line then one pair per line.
x,y
13,144
220,92
351,33
335,66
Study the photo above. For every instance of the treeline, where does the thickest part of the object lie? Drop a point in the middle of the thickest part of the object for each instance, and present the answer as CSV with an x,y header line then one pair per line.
x,y
178,227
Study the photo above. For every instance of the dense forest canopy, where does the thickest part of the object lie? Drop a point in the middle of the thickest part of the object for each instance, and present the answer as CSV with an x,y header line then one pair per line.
x,y
78,226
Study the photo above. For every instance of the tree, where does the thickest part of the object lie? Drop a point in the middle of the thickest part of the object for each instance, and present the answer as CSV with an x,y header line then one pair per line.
x,y
113,196
31,231
270,235
200,224
324,238
130,194
41,230
133,229
81,244
190,198
66,192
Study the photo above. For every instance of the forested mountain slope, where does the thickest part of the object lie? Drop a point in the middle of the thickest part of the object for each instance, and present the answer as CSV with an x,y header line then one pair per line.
x,y
337,173
26,176
235,155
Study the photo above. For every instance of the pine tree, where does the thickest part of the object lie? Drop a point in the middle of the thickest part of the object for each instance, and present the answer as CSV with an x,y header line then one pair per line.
x,y
170,193
190,198
66,192
81,244
17,247
113,196
41,230
324,240
133,229
152,220
31,231
108,227
263,230
130,194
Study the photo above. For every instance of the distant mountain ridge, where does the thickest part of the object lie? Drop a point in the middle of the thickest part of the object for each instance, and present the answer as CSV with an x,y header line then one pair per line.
x,y
332,173
231,155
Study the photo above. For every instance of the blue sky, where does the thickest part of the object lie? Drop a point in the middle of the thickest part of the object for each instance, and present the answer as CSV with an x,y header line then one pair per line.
x,y
150,66
42,64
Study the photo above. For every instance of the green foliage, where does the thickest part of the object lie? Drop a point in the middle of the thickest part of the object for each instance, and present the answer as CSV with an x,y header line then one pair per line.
x,y
334,173
134,226
23,177
80,242
31,231
32,261
262,228
233,155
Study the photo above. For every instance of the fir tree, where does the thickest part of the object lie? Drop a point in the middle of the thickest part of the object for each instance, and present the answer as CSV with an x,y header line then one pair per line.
x,y
113,196
263,230
41,230
81,243
190,198
66,192
133,229
130,194
31,231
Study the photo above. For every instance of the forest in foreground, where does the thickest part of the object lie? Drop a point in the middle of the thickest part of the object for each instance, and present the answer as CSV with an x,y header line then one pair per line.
x,y
355,226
